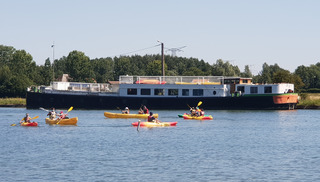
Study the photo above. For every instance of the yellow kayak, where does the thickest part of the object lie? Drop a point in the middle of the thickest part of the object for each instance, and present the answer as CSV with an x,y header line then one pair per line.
x,y
70,121
120,115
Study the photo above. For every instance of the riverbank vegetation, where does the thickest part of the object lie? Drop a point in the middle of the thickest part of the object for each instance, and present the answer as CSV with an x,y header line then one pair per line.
x,y
18,70
12,101
309,100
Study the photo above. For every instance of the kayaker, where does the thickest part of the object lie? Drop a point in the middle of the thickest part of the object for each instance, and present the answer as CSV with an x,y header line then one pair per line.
x,y
202,112
52,114
27,118
126,111
198,111
145,110
193,112
62,115
151,118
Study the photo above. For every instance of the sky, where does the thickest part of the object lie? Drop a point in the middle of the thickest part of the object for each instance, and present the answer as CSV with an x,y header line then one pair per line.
x,y
243,32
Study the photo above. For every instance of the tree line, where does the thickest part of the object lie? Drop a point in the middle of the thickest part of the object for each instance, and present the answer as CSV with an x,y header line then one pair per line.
x,y
18,70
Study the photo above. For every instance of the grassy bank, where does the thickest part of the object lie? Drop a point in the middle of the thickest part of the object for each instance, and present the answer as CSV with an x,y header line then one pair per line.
x,y
309,100
12,101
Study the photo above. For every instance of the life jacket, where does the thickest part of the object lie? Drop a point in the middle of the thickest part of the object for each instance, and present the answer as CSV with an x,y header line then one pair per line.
x,y
146,111
150,118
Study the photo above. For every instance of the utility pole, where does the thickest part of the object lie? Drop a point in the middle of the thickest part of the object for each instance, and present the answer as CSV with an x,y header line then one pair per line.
x,y
162,57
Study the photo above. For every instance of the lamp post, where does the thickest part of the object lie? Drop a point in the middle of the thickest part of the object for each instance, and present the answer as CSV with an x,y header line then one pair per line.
x,y
52,61
162,57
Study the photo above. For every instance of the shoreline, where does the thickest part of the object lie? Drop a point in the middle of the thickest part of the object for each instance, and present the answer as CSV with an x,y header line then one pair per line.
x,y
24,106
14,105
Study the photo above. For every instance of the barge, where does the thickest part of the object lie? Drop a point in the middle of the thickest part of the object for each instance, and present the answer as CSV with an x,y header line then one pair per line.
x,y
165,93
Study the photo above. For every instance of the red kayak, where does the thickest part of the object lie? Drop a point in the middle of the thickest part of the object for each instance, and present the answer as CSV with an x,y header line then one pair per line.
x,y
29,124
155,124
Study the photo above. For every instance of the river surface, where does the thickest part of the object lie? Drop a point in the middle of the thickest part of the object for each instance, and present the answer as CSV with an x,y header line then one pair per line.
x,y
234,146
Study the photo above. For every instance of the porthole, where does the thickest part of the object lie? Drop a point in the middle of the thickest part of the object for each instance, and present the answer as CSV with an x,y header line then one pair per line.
x,y
214,92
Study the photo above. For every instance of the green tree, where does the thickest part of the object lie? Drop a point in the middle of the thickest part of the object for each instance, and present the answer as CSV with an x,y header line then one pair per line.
x,y
6,53
122,66
103,69
78,67
222,68
310,76
154,68
247,72
193,71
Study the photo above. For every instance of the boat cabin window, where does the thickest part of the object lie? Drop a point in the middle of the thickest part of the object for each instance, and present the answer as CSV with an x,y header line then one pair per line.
x,y
253,90
132,91
158,91
185,92
145,91
231,81
173,92
268,89
198,92
241,89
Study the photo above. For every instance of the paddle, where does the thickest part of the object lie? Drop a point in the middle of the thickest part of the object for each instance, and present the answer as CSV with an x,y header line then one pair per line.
x,y
199,103
23,118
70,109
43,109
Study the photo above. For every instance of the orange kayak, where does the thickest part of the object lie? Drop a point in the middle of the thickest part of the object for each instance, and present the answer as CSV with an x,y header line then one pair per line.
x,y
70,121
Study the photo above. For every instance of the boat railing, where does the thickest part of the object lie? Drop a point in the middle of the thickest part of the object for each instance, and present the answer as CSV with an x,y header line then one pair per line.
x,y
78,86
171,80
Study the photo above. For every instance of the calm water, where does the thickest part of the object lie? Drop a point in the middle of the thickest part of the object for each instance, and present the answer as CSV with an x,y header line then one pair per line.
x,y
235,146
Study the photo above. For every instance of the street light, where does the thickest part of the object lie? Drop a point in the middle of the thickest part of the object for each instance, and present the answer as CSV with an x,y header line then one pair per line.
x,y
52,61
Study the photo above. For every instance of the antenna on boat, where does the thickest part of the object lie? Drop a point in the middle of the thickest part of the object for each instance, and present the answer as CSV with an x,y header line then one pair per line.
x,y
162,57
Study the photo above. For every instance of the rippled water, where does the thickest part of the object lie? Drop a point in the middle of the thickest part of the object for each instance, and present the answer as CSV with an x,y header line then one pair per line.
x,y
235,146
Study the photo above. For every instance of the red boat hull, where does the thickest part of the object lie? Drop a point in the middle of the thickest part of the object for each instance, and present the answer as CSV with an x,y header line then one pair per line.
x,y
29,124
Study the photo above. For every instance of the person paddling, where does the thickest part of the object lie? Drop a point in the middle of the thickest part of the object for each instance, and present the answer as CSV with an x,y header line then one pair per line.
x,y
145,110
27,118
126,111
62,115
151,118
52,114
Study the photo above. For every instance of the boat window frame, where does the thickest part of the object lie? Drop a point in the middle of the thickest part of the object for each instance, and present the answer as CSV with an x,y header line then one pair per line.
x,y
132,91
267,89
185,92
173,92
159,91
145,91
197,92
253,90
